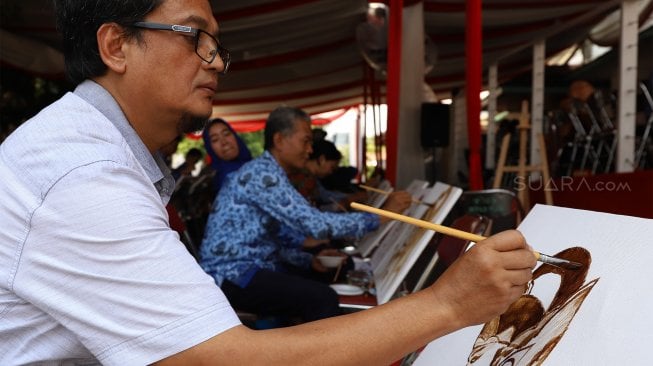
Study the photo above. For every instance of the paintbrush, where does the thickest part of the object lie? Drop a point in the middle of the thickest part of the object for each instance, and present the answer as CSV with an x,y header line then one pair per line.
x,y
372,189
340,207
558,262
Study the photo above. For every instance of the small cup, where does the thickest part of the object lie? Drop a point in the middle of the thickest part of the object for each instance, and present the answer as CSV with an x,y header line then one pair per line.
x,y
330,261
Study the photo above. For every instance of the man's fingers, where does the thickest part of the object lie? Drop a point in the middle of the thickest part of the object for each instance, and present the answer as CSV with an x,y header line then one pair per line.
x,y
520,277
519,259
506,241
517,291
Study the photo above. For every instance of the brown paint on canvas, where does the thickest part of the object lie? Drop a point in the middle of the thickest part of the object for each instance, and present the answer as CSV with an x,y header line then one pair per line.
x,y
400,256
527,333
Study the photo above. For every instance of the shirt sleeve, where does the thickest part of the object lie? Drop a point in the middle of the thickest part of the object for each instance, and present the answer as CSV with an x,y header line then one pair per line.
x,y
102,261
296,257
278,198
291,247
290,237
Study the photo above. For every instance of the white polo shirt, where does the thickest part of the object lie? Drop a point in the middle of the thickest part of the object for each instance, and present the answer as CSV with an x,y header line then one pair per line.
x,y
89,269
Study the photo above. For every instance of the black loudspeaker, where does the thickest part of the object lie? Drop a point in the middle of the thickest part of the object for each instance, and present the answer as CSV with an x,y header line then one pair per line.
x,y
434,131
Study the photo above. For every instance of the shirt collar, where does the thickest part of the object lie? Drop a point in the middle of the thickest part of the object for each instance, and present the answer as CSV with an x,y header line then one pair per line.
x,y
154,166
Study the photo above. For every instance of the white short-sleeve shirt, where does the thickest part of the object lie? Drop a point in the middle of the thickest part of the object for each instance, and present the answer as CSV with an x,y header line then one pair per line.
x,y
90,271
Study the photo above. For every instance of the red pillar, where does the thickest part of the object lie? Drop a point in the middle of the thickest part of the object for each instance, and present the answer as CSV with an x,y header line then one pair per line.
x,y
362,168
392,87
474,58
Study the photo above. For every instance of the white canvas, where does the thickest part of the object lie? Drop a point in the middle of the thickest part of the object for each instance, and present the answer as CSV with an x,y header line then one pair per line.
x,y
396,238
370,241
376,199
613,325
400,255
400,232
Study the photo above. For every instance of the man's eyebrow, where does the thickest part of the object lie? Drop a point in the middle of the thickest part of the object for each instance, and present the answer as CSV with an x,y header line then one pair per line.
x,y
194,20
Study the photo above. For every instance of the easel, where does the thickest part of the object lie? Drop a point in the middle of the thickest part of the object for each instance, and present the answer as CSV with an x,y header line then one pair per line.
x,y
522,169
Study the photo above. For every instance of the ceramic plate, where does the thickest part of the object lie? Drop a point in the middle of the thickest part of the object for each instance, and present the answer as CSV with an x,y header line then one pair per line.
x,y
347,290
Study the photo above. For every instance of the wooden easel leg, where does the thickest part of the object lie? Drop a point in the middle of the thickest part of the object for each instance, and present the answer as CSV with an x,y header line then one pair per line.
x,y
546,178
501,164
523,173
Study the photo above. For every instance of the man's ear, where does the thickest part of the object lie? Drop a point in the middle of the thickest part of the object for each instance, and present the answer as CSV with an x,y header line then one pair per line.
x,y
278,138
110,40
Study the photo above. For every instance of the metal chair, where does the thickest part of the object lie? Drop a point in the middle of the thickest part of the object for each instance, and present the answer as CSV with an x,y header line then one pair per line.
x,y
644,141
500,205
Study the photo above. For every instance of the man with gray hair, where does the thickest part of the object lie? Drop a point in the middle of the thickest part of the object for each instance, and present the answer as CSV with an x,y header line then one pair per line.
x,y
254,235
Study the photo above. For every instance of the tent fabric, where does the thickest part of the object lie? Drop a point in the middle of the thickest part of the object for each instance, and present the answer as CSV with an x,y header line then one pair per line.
x,y
23,53
304,52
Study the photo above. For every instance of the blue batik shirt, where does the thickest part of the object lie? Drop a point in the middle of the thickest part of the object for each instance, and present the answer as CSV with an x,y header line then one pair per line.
x,y
260,221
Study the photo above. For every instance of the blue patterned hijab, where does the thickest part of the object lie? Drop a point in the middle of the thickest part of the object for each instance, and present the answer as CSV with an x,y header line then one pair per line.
x,y
223,167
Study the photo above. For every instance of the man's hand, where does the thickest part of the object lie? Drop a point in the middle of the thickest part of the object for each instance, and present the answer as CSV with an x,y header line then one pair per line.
x,y
477,287
311,242
483,282
358,196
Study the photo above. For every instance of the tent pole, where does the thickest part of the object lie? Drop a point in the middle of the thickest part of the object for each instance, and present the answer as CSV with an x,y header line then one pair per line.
x,y
474,65
392,87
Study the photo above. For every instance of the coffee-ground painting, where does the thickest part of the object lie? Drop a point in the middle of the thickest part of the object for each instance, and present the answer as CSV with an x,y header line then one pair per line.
x,y
594,315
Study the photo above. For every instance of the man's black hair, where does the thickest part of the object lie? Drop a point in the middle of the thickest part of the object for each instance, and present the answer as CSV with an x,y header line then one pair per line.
x,y
194,152
78,22
327,149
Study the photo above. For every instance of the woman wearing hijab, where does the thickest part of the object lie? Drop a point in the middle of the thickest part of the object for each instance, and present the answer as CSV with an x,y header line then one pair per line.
x,y
227,150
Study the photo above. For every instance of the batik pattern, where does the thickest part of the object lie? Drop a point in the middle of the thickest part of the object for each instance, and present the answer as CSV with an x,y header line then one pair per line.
x,y
259,221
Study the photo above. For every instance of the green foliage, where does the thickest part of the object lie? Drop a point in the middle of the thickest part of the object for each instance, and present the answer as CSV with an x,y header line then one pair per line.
x,y
371,155
187,144
344,150
254,142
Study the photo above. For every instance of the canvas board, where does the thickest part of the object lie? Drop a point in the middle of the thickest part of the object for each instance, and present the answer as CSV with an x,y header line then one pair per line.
x,y
369,242
417,189
612,325
395,239
376,199
396,256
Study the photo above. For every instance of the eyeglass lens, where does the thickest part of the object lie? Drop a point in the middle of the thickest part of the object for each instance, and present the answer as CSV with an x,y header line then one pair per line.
x,y
208,48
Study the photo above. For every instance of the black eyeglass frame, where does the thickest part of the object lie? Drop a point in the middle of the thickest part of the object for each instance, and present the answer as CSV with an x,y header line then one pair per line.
x,y
225,56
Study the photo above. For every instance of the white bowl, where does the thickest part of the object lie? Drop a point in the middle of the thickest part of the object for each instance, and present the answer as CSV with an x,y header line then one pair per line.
x,y
349,250
330,261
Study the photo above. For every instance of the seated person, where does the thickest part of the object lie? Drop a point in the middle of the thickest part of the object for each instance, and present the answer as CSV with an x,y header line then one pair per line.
x,y
322,162
228,153
342,180
259,221
227,150
186,168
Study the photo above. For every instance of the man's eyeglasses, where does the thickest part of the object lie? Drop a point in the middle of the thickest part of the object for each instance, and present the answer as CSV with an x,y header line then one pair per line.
x,y
206,46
